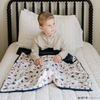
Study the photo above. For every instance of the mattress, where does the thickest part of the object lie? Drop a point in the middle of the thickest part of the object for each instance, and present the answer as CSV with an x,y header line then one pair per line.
x,y
88,57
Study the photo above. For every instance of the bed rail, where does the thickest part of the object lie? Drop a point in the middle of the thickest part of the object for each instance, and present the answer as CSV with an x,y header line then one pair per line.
x,y
9,14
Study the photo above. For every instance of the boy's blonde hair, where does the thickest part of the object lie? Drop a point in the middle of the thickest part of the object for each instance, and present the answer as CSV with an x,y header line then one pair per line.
x,y
44,16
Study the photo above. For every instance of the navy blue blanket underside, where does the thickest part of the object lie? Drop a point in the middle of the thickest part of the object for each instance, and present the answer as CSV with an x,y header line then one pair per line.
x,y
49,51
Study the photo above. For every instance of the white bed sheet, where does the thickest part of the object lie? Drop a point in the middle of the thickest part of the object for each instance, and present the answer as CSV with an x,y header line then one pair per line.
x,y
90,60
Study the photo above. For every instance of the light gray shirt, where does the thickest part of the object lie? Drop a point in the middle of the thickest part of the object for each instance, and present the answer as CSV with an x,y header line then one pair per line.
x,y
54,41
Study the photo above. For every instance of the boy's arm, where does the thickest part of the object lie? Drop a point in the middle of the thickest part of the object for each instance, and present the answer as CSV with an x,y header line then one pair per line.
x,y
63,52
35,51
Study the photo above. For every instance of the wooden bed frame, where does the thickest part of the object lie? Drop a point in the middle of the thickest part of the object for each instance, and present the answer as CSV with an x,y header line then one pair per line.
x,y
9,14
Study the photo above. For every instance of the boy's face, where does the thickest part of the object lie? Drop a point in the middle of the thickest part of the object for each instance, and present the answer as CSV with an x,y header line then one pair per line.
x,y
48,27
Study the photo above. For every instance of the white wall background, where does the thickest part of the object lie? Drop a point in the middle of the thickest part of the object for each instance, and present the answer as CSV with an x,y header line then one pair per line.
x,y
96,32
3,26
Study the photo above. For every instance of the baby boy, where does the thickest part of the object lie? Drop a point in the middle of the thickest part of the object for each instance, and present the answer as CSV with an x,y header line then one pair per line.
x,y
48,38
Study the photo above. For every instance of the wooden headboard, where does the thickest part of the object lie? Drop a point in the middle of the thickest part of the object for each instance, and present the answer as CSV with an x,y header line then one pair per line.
x,y
66,12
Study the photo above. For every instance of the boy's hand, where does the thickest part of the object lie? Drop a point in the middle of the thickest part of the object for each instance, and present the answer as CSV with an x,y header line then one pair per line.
x,y
57,58
38,62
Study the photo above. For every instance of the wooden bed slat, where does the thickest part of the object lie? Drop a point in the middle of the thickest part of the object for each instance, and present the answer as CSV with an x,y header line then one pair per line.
x,y
49,6
74,8
33,6
66,8
17,20
25,7
58,11
83,18
41,6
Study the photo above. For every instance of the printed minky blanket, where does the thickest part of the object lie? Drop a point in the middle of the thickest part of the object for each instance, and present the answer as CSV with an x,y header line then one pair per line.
x,y
26,76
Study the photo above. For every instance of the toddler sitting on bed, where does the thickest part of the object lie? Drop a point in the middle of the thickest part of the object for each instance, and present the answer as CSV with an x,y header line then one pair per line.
x,y
48,38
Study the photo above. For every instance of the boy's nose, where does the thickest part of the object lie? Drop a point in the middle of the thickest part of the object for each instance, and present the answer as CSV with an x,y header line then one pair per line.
x,y
51,27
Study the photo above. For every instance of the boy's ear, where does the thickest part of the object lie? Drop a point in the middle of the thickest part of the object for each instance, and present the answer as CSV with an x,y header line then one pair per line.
x,y
41,28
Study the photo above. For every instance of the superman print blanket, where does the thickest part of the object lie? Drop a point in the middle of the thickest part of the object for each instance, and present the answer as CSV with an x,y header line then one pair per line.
x,y
26,76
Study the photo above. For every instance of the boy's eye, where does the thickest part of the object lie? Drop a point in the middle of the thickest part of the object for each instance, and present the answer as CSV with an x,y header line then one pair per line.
x,y
53,23
48,25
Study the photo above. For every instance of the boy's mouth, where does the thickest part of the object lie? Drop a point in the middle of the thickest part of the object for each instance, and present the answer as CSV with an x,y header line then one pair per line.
x,y
52,31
